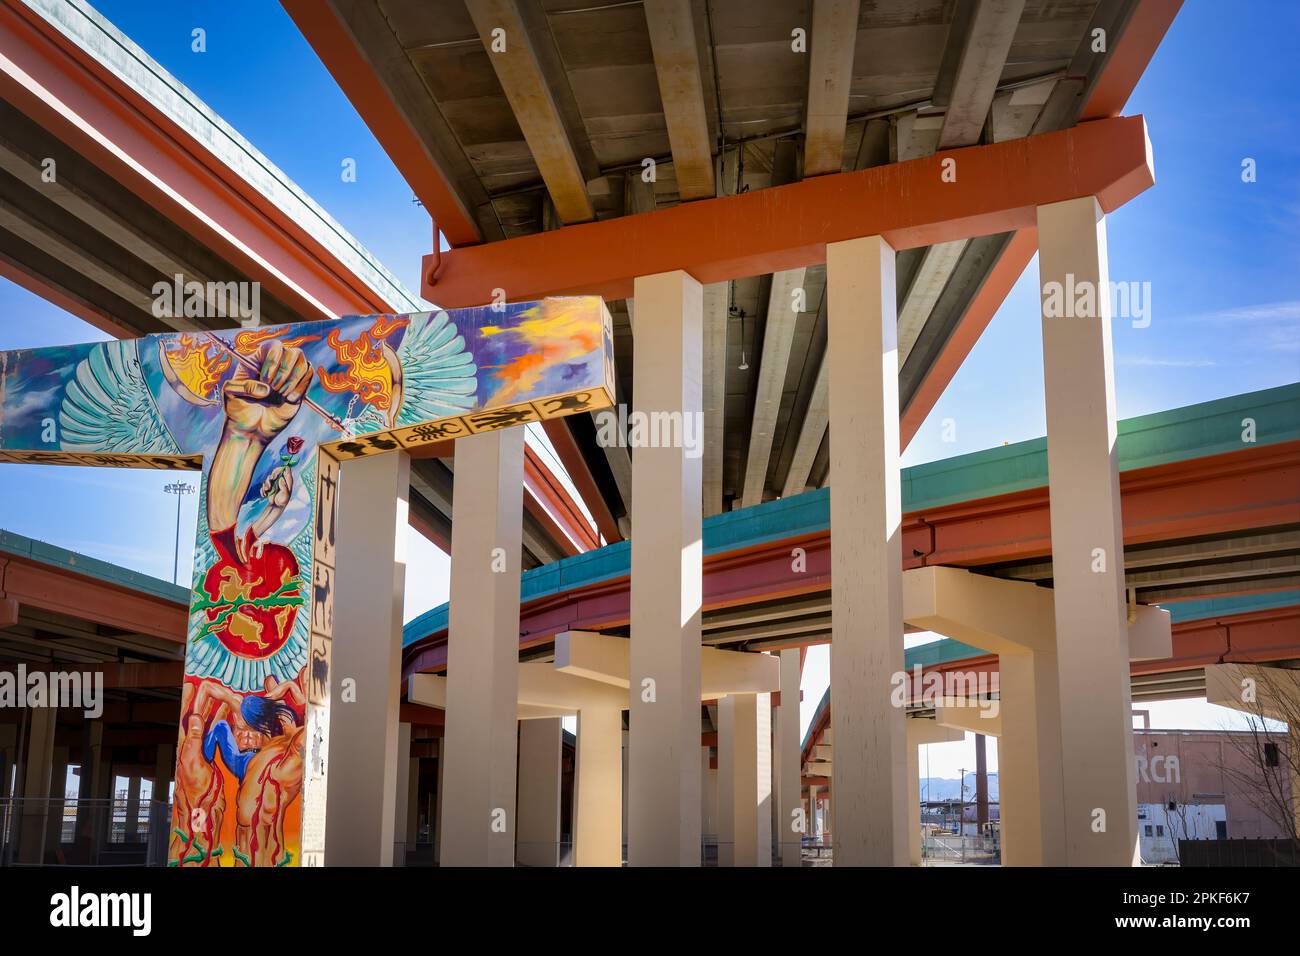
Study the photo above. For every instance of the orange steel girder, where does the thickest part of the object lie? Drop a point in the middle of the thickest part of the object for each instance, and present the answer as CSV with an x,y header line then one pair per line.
x,y
993,189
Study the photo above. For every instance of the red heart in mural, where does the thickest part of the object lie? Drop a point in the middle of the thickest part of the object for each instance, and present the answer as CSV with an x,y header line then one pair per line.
x,y
256,599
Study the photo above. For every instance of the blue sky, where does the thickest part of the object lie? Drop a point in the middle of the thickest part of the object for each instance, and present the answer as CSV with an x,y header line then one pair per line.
x,y
1221,257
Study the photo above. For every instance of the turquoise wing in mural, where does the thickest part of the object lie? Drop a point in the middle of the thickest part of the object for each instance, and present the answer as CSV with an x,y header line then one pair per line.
x,y
108,407
439,377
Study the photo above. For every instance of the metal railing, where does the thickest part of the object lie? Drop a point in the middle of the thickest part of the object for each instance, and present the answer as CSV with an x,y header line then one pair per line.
x,y
76,832
952,848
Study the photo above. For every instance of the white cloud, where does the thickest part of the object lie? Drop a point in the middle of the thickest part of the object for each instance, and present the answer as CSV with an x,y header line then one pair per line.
x,y
1165,363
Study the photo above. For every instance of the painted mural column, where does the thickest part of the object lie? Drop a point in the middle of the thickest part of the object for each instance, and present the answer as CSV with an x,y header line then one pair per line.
x,y
540,752
479,824
1087,537
598,788
667,556
785,757
870,765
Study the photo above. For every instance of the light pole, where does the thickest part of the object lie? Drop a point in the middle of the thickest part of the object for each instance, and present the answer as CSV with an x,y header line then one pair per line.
x,y
179,489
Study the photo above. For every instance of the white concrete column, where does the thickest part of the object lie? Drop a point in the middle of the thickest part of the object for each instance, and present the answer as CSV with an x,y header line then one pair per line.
x,y
786,757
402,809
598,788
1030,793
744,780
814,823
708,795
412,802
541,743
1087,537
483,650
437,800
667,554
627,759
870,766
35,775
369,589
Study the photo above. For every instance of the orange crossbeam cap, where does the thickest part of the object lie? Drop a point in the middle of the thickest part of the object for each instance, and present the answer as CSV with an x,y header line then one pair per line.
x,y
955,194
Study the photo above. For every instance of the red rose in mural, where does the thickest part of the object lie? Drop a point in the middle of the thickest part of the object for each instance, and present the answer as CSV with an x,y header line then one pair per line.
x,y
252,603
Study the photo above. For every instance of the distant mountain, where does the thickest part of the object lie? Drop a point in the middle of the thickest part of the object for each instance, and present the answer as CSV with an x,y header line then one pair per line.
x,y
949,788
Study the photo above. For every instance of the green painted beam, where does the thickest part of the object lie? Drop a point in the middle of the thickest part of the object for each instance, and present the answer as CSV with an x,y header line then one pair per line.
x,y
24,547
1183,434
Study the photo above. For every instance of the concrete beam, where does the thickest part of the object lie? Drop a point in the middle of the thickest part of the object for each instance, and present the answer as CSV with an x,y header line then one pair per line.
x,y
510,51
677,65
830,77
778,333
715,393
606,659
987,40
969,716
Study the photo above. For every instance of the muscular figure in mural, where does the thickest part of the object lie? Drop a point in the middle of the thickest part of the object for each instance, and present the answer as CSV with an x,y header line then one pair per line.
x,y
255,589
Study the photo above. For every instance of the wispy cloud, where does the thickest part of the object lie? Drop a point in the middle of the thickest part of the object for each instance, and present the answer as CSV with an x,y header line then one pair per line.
x,y
1266,326
1165,362
1265,312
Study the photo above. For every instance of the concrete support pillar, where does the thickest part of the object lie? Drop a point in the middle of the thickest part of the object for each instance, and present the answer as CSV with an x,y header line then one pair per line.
x,y
164,770
814,819
541,744
368,596
1030,795
786,758
92,817
402,795
437,800
412,802
58,792
667,555
870,766
133,808
744,780
8,755
1087,537
708,795
914,834
627,759
483,651
37,779
598,800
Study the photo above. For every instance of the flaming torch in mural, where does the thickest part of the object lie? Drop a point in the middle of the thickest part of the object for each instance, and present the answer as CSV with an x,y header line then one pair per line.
x,y
371,370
